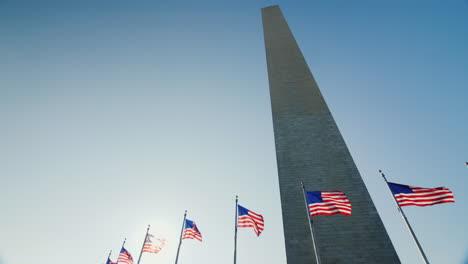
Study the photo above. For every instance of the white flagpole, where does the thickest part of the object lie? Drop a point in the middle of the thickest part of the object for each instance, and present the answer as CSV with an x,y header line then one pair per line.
x,y
143,246
311,226
180,239
406,221
235,234
108,257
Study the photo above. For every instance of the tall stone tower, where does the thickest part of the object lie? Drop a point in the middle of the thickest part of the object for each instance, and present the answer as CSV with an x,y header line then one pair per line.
x,y
310,148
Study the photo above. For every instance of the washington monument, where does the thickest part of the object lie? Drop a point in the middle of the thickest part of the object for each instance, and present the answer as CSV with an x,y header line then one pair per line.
x,y
310,148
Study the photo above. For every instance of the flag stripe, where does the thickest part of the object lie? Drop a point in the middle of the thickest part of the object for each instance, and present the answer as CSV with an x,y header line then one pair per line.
x,y
406,203
330,212
192,235
423,196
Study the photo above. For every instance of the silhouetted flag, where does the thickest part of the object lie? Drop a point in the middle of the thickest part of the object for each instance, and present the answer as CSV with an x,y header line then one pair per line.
x,y
328,203
191,231
410,195
125,257
248,218
153,244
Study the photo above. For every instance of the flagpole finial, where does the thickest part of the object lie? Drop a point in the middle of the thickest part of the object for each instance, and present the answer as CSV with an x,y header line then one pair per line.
x,y
123,244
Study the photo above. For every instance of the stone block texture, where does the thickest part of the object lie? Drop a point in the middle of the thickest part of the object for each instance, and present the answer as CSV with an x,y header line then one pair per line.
x,y
310,148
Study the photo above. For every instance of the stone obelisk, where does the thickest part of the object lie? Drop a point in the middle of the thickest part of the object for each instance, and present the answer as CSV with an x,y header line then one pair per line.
x,y
310,148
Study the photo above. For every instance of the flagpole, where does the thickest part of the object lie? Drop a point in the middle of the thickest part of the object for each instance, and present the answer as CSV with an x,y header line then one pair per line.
x,y
180,240
143,246
235,234
311,226
121,250
108,257
406,221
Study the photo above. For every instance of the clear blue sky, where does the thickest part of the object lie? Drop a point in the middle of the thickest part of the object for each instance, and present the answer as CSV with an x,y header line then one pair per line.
x,y
118,114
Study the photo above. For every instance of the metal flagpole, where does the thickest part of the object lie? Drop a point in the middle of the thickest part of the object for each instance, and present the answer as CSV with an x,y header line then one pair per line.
x,y
108,257
120,250
406,221
235,234
143,246
312,231
180,240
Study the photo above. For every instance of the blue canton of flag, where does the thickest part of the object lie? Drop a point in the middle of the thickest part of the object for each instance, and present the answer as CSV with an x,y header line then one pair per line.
x,y
109,261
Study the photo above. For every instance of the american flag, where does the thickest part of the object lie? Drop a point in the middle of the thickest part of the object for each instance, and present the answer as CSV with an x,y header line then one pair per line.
x,y
153,244
109,261
410,195
191,231
248,218
125,257
328,203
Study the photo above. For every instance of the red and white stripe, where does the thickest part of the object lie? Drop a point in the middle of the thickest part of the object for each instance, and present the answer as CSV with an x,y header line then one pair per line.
x,y
192,233
425,196
150,248
252,220
333,203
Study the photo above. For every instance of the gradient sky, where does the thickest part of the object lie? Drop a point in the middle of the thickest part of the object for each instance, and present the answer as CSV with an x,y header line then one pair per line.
x,y
119,114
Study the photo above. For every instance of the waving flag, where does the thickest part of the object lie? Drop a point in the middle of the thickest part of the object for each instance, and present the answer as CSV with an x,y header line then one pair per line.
x,y
328,203
248,218
410,195
191,231
153,244
109,261
125,257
